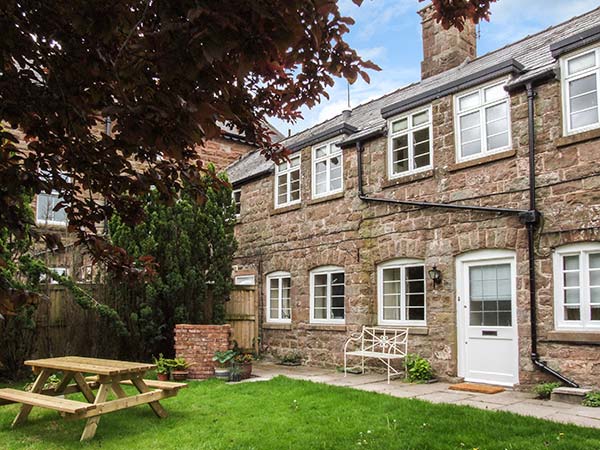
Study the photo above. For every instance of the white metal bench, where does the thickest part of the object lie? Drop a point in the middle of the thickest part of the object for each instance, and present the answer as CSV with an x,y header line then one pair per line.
x,y
384,344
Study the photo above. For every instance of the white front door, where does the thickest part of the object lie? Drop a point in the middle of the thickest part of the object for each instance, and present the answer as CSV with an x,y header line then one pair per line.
x,y
488,349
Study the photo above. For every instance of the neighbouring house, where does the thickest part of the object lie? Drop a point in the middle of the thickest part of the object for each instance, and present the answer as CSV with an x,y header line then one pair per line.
x,y
465,206
75,261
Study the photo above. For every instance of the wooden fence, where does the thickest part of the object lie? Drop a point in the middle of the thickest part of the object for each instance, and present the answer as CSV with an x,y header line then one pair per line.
x,y
65,328
241,313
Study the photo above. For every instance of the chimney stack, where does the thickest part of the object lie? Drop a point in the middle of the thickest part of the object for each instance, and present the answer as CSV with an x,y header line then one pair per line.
x,y
445,49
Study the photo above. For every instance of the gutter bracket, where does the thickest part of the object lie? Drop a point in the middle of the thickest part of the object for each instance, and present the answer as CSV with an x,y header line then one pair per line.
x,y
530,217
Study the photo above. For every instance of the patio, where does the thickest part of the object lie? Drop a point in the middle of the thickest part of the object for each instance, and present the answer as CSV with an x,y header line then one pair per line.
x,y
523,403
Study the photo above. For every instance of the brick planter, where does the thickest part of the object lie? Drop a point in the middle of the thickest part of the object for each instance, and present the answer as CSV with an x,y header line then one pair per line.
x,y
198,343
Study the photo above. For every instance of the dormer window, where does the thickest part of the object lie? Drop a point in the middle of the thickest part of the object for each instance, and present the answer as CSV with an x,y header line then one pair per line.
x,y
409,146
327,170
482,122
580,80
287,182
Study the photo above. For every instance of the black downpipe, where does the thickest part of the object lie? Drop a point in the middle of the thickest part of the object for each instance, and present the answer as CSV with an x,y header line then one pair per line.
x,y
529,217
535,358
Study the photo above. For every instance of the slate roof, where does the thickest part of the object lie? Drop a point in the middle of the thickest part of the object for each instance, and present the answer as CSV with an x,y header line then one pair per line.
x,y
532,52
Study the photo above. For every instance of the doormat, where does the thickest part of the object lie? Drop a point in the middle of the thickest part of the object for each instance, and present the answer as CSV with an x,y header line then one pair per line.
x,y
480,388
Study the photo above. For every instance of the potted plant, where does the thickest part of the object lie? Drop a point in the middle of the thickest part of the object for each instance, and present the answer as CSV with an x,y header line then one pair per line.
x,y
291,359
235,372
223,358
179,369
244,360
162,368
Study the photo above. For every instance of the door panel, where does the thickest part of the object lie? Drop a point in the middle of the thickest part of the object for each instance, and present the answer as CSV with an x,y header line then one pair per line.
x,y
486,316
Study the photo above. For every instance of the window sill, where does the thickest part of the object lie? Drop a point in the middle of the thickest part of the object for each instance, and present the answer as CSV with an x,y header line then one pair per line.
x,y
283,209
324,327
412,329
276,326
577,138
404,179
483,160
574,337
326,198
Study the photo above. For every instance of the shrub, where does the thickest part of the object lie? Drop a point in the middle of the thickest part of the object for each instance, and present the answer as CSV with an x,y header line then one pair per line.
x,y
291,358
592,399
418,369
544,390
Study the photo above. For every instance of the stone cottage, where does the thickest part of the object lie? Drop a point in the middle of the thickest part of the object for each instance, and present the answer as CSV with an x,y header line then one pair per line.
x,y
465,206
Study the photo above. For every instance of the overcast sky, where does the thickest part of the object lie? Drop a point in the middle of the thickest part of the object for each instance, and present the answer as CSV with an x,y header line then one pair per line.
x,y
389,33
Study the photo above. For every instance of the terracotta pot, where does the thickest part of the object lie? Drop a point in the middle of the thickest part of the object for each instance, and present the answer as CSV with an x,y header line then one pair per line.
x,y
246,370
179,375
162,376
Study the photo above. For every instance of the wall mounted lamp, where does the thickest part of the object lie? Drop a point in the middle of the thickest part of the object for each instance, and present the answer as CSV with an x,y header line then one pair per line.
x,y
435,275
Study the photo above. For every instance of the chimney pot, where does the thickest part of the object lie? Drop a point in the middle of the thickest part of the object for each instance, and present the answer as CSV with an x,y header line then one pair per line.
x,y
346,114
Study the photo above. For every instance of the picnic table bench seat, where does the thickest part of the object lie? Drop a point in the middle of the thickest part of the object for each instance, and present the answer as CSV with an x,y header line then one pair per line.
x,y
384,344
44,401
156,384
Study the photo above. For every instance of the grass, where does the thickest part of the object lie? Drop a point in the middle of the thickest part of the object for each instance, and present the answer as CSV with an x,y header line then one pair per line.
x,y
290,414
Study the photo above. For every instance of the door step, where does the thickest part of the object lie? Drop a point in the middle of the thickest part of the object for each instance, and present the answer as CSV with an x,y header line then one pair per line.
x,y
476,387
569,394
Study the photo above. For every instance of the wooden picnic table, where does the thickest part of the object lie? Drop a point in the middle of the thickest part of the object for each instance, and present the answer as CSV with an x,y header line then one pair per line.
x,y
107,375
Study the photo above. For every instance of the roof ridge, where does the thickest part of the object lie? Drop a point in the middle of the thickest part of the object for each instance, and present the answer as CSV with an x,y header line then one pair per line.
x,y
529,36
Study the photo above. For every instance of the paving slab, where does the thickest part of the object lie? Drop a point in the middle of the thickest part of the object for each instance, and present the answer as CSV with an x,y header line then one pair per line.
x,y
527,409
503,398
443,397
586,411
576,420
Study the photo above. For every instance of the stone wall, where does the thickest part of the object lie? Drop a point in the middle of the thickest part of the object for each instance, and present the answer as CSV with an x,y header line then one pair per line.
x,y
345,231
198,344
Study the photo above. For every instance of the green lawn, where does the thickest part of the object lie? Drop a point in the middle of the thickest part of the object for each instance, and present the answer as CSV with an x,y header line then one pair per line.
x,y
289,414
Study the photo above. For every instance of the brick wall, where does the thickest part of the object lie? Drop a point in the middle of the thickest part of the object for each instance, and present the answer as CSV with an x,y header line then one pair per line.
x,y
198,344
342,230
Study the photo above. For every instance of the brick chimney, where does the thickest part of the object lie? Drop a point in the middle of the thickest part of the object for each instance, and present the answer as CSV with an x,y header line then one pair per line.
x,y
445,49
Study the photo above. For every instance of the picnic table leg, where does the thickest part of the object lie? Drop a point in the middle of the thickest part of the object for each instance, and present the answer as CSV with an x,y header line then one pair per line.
x,y
118,390
92,423
37,387
66,379
156,406
84,388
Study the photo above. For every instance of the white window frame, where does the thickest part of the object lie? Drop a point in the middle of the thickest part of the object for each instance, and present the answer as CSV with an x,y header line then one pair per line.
x,y
580,249
55,194
401,264
565,78
327,270
38,221
315,160
288,172
278,276
235,203
411,150
482,122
